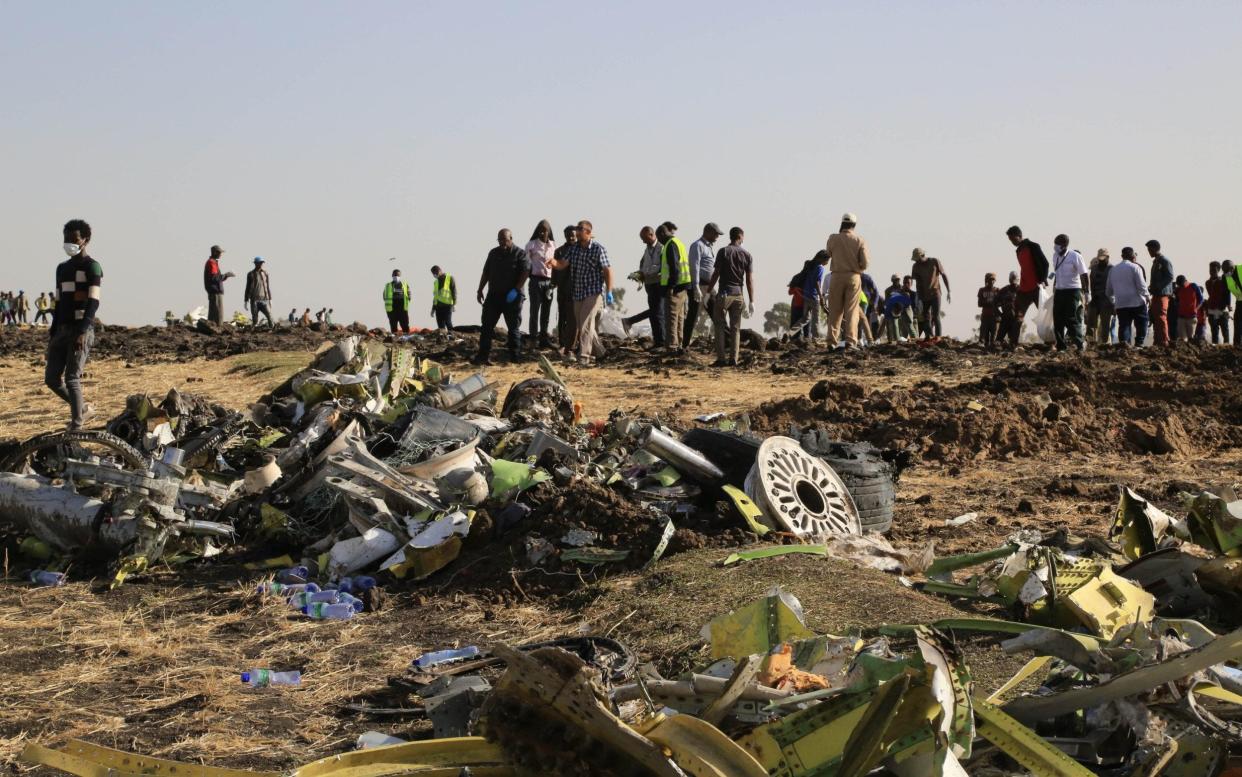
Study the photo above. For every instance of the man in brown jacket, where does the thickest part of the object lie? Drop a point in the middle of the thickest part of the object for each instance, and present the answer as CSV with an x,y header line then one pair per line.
x,y
847,253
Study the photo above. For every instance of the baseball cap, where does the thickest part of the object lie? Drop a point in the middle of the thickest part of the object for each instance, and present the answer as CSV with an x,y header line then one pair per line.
x,y
712,226
918,253
849,217
258,260
217,249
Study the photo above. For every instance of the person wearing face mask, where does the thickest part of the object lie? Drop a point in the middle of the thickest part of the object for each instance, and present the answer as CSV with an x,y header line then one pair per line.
x,y
396,304
73,321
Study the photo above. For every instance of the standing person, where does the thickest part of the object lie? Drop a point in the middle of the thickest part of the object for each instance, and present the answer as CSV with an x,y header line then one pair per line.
x,y
1161,289
540,251
259,293
444,298
1032,274
504,276
319,314
813,303
676,280
848,254
1006,310
1233,283
23,308
305,320
591,275
1128,289
5,310
1218,304
1069,289
293,316
987,310
213,283
73,322
566,327
1189,300
928,273
1100,308
732,269
396,304
649,271
43,309
327,317
870,302
702,263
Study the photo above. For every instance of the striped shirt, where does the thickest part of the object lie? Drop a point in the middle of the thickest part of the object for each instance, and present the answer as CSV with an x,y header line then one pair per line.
x,y
77,281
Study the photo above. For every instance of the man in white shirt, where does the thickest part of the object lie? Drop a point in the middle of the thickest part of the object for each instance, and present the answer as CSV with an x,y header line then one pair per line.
x,y
702,264
1070,287
1127,286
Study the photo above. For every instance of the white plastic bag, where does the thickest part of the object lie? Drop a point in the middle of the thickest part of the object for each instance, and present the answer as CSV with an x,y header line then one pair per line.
x,y
610,324
1044,331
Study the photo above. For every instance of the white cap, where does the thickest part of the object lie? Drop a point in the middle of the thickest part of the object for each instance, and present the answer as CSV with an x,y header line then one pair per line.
x,y
850,217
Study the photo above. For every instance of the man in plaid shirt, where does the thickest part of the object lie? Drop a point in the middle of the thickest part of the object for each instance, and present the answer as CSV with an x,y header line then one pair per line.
x,y
591,278
73,321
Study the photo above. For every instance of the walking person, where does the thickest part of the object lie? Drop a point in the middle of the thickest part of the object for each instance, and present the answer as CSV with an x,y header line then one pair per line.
x,y
259,293
733,271
987,310
1189,300
847,253
72,333
504,275
443,298
587,261
1032,274
1006,311
1069,286
213,283
928,273
1128,289
540,251
1218,304
293,316
43,309
396,305
676,278
1161,289
702,263
657,302
566,327
1100,307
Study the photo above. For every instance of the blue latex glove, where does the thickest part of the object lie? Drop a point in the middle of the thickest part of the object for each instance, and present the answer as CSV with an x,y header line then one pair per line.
x,y
608,298
511,296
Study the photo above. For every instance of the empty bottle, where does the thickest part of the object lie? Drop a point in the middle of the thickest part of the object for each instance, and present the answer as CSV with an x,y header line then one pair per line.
x,y
298,574
324,611
43,577
261,678
437,657
351,600
283,589
304,598
355,585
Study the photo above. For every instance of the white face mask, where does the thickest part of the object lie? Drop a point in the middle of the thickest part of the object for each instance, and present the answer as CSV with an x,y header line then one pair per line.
x,y
72,249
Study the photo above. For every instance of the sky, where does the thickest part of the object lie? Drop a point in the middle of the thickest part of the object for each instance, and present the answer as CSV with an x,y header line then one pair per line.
x,y
331,137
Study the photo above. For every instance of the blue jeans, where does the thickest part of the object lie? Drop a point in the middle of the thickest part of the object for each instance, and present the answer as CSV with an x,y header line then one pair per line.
x,y
65,364
1138,317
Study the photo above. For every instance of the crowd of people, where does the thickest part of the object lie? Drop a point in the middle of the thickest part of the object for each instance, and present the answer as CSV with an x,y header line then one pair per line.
x,y
15,308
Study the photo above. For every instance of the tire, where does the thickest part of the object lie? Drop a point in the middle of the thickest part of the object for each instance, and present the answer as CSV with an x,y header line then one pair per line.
x,y
124,451
870,484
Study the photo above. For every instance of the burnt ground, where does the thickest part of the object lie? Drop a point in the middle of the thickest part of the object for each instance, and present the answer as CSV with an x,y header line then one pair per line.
x,y
1026,440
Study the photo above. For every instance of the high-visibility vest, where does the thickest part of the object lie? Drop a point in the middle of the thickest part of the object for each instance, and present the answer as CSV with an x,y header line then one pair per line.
x,y
405,289
683,264
862,299
442,290
1233,282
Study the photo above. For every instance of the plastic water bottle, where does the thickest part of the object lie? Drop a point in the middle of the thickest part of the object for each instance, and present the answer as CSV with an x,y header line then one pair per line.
x,y
355,585
351,600
43,577
324,611
293,575
304,598
261,678
283,589
437,657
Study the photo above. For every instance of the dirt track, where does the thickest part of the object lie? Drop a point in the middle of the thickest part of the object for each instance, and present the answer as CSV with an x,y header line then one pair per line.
x,y
152,666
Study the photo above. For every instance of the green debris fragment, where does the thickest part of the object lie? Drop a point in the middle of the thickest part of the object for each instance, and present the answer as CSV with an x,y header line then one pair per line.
x,y
510,478
777,550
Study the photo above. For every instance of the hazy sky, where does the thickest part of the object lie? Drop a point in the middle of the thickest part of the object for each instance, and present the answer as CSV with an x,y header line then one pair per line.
x,y
328,137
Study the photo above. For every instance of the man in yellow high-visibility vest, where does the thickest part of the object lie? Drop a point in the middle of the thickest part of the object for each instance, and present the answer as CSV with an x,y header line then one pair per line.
x,y
396,303
443,298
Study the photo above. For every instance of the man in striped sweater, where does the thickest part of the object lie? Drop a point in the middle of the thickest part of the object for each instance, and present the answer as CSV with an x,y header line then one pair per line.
x,y
73,321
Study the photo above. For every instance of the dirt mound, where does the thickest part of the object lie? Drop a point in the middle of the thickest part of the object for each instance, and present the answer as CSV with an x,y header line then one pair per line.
x,y
151,344
1118,400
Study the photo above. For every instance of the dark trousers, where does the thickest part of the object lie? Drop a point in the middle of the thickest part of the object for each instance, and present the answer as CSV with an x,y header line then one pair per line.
x,y
1237,323
65,365
493,309
1136,316
1067,317
929,320
259,307
693,309
656,312
987,329
1008,328
399,319
444,316
540,307
1023,303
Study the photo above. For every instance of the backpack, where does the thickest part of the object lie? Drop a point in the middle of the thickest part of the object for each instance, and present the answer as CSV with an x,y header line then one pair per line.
x,y
799,278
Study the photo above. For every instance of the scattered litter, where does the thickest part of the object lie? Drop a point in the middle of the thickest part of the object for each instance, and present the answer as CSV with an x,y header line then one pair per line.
x,y
262,678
